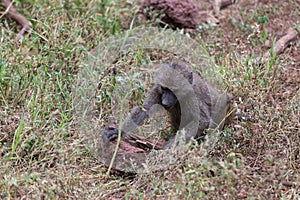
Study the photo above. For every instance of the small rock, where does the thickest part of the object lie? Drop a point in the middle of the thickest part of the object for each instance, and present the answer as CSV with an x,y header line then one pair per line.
x,y
177,13
287,183
241,195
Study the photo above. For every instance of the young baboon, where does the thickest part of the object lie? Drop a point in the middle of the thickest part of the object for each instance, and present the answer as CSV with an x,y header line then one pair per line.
x,y
192,104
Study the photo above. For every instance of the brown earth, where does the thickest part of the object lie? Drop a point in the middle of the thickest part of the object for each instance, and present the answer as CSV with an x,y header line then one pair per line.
x,y
242,29
270,149
271,161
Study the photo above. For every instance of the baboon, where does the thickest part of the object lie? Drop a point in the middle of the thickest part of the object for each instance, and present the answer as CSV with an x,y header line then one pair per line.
x,y
191,103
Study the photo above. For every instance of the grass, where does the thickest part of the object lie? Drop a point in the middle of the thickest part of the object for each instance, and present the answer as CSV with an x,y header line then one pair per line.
x,y
45,155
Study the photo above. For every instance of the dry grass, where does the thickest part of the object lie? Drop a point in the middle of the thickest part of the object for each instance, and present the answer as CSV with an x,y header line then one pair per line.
x,y
44,155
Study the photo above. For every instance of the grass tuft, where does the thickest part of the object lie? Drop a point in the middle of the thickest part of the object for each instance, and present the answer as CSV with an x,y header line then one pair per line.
x,y
45,155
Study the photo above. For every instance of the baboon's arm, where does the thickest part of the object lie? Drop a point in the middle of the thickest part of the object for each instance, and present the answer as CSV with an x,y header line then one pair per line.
x,y
137,116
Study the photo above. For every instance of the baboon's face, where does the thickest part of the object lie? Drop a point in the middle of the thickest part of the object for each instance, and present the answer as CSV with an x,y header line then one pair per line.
x,y
168,98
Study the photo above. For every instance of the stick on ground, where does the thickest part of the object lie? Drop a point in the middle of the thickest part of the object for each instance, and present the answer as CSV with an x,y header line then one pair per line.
x,y
14,14
282,43
219,4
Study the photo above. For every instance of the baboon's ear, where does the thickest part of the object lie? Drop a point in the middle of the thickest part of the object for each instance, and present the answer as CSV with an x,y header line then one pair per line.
x,y
173,65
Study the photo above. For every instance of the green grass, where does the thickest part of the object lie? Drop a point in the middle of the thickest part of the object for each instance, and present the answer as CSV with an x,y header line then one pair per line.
x,y
45,155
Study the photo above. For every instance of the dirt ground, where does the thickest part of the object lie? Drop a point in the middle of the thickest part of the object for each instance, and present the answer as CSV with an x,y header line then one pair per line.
x,y
270,148
257,157
262,152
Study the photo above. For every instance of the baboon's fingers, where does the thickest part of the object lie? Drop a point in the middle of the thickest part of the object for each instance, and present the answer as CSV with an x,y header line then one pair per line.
x,y
111,134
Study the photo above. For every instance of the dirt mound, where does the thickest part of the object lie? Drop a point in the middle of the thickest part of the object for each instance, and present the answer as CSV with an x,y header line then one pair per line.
x,y
177,13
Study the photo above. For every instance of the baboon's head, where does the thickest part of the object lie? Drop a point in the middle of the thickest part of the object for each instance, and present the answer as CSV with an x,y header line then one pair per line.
x,y
183,69
174,81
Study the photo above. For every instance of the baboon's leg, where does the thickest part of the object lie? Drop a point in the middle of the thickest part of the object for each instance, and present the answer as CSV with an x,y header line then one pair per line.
x,y
14,14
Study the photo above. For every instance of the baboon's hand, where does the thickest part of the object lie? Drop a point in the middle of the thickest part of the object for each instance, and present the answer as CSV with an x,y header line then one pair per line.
x,y
111,134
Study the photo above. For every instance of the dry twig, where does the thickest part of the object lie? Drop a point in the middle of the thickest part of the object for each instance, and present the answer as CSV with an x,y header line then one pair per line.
x,y
219,4
14,14
281,44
